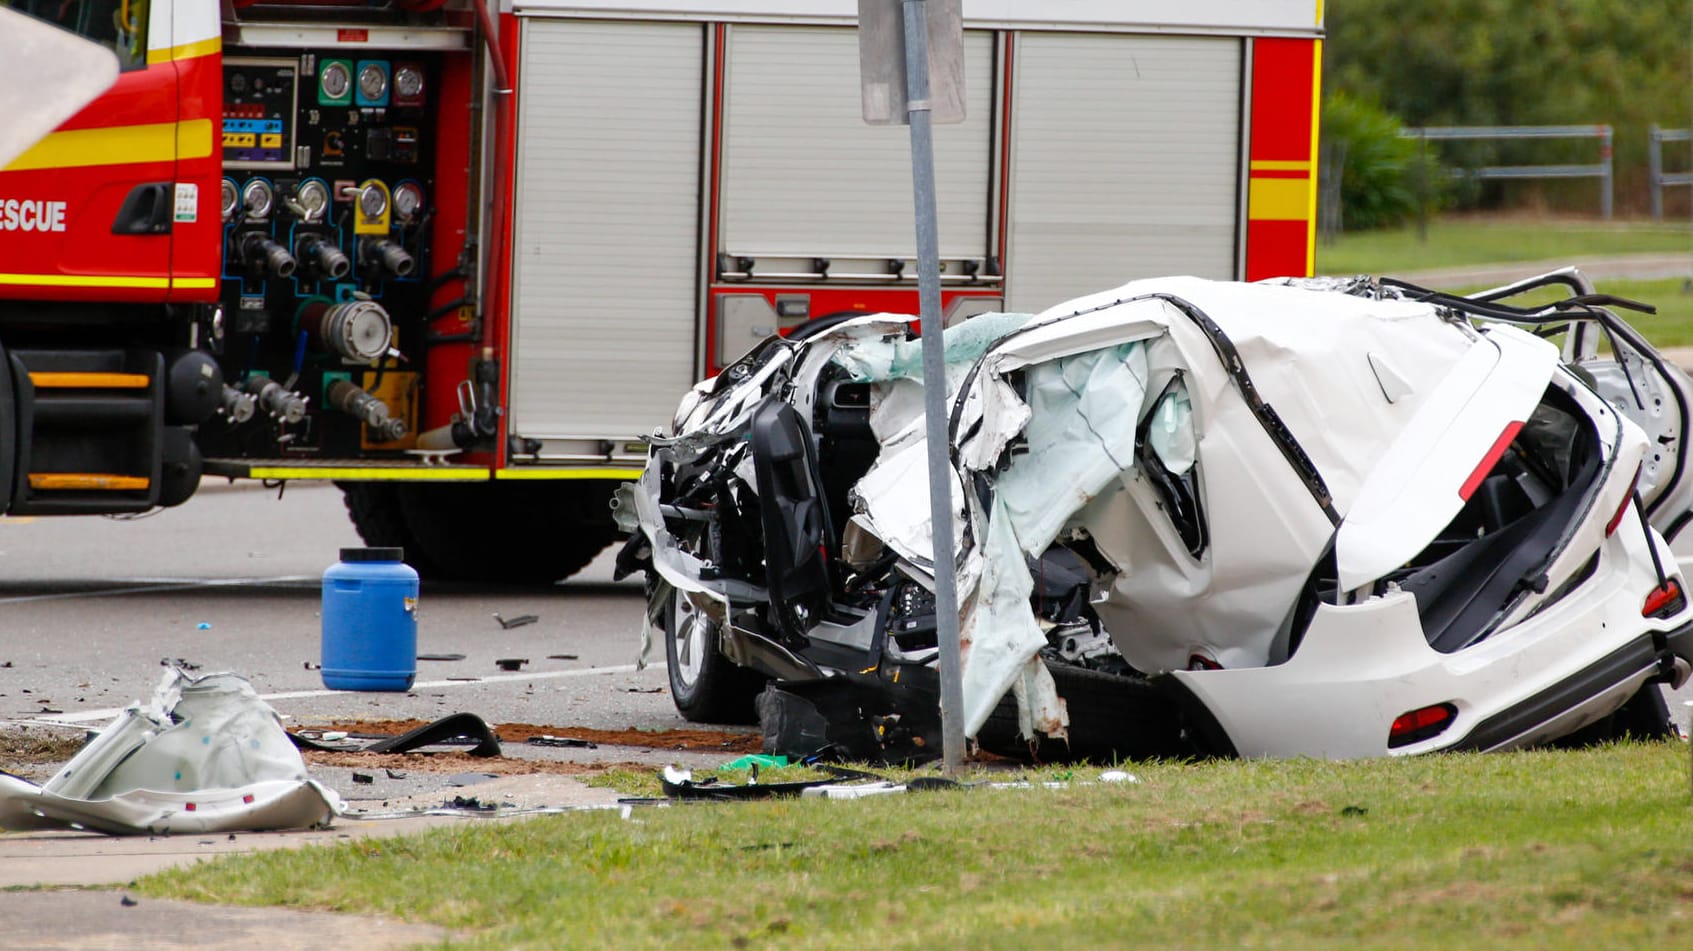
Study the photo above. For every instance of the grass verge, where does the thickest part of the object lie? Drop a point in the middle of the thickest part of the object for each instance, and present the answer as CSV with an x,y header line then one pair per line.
x,y
1545,849
1458,241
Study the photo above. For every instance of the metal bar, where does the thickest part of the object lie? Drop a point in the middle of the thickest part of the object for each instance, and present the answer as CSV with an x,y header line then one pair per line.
x,y
1655,162
1608,192
934,382
1509,132
1537,171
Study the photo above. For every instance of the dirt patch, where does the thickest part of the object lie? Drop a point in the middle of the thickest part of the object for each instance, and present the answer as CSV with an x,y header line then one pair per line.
x,y
697,740
462,763
22,748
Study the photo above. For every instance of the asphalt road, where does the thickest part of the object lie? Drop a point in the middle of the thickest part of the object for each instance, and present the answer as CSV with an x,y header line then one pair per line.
x,y
231,581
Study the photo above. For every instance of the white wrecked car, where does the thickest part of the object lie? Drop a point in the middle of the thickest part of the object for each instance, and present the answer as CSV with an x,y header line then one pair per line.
x,y
1328,518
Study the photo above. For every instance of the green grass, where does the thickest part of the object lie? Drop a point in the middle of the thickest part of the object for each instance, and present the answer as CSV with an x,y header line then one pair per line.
x,y
1461,241
1583,849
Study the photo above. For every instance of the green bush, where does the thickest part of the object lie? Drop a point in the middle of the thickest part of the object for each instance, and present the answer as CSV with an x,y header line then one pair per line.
x,y
1382,175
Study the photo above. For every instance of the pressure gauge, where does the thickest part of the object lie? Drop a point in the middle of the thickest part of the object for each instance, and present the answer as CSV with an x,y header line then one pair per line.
x,y
373,83
258,198
335,80
408,201
229,199
408,84
373,201
313,199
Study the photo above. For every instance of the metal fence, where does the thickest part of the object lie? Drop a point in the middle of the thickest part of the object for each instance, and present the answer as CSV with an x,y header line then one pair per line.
x,y
1661,179
1600,170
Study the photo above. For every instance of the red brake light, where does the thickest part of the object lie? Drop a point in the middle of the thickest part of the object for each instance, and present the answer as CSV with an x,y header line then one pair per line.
x,y
1420,724
1664,600
1611,526
1490,460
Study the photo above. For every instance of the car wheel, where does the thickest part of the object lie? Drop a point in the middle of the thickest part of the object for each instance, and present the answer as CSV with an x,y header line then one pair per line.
x,y
706,686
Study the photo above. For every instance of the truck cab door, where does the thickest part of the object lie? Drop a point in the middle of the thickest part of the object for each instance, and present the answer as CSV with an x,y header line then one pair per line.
x,y
90,212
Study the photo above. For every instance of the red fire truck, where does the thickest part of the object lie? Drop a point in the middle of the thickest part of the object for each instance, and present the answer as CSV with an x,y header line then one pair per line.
x,y
459,258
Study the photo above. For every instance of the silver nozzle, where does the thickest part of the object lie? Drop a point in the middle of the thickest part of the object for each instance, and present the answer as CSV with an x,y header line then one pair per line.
x,y
359,404
388,256
324,255
277,400
237,406
260,252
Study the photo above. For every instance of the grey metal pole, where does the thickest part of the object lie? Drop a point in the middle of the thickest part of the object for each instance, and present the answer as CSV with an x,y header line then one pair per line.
x,y
1655,163
1605,198
934,382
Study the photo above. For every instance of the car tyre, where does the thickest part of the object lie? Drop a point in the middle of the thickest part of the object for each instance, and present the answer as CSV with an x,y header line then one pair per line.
x,y
705,686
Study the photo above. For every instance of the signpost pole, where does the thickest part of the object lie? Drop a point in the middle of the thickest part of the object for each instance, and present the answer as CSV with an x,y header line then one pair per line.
x,y
934,382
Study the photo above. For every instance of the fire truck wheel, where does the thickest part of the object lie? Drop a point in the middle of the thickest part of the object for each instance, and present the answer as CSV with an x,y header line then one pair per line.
x,y
374,508
528,533
706,686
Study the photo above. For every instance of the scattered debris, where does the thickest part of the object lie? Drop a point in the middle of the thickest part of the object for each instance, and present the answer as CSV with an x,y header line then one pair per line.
x,y
309,665
469,779
203,626
363,779
511,663
457,729
563,657
563,741
644,690
180,663
471,803
756,761
518,621
443,657
395,773
722,741
129,902
205,754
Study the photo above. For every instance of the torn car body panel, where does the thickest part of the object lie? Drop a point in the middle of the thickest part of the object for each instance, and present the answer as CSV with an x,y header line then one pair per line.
x,y
205,754
1289,495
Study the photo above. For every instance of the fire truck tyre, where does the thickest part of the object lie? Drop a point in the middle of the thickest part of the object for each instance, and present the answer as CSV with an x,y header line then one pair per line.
x,y
374,508
525,533
706,686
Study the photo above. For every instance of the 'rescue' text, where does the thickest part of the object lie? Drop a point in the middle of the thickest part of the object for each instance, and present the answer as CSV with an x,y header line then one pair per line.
x,y
31,214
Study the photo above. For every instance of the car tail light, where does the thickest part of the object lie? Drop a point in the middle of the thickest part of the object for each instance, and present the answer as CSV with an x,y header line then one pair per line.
x,y
1420,724
1665,600
1490,460
1611,526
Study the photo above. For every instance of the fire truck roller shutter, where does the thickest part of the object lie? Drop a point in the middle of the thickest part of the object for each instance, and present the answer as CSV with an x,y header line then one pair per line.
x,y
1134,172
607,220
803,176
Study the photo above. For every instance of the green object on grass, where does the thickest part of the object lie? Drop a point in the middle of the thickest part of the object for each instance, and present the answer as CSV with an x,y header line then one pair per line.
x,y
761,760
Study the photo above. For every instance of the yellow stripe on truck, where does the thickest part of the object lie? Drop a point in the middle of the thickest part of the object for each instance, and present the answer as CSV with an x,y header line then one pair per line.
x,y
119,145
1279,199
106,280
185,51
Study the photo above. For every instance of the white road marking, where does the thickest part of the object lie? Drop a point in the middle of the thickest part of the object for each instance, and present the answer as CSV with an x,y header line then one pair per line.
x,y
76,719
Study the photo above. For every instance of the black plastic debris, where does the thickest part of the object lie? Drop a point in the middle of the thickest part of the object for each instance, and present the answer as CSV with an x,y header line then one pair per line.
x,y
511,663
179,663
563,741
441,657
471,803
680,784
519,621
363,779
128,902
563,657
838,719
458,728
